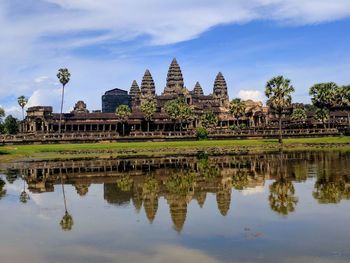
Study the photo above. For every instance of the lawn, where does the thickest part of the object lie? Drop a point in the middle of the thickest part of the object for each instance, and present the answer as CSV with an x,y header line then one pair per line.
x,y
49,151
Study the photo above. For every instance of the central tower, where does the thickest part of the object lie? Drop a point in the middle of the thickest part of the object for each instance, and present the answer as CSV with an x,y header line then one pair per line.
x,y
174,80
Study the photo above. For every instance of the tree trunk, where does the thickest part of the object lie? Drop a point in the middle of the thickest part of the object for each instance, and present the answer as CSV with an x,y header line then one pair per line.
x,y
22,120
60,123
147,126
280,129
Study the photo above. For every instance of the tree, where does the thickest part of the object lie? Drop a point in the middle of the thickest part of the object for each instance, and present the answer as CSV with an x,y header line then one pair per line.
x,y
278,92
2,115
343,99
322,115
148,108
123,112
64,76
323,96
179,111
298,115
237,108
208,119
22,102
11,125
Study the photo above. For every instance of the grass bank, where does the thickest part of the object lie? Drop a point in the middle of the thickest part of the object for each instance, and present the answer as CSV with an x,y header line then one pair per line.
x,y
90,150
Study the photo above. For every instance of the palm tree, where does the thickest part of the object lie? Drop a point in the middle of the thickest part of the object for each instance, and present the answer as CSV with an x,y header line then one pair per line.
x,y
278,92
179,110
298,115
237,108
148,108
22,102
322,115
123,112
186,113
343,99
64,76
323,96
208,119
173,110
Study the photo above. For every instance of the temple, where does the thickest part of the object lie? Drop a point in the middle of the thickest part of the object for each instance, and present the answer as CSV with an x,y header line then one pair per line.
x,y
41,119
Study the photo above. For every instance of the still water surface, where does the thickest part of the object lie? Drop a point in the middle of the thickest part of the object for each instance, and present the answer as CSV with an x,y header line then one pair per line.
x,y
284,207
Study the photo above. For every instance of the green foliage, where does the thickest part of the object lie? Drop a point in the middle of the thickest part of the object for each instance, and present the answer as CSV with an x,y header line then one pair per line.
x,y
2,190
322,114
242,126
123,112
67,222
282,199
278,92
202,133
148,108
237,108
22,101
63,76
125,183
10,125
207,170
240,180
299,115
180,184
209,120
150,186
323,95
179,110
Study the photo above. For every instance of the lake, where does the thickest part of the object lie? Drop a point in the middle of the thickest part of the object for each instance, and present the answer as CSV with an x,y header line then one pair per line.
x,y
277,207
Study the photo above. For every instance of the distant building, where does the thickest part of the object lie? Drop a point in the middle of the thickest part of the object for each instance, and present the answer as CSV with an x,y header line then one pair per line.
x,y
114,98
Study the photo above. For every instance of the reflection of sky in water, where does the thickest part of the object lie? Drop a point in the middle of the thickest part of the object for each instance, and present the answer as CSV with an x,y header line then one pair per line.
x,y
103,232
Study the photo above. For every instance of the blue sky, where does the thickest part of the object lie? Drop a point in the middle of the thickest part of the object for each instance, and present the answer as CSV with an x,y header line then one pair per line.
x,y
109,43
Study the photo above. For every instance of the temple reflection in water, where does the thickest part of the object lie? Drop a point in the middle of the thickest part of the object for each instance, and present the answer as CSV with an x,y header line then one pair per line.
x,y
181,180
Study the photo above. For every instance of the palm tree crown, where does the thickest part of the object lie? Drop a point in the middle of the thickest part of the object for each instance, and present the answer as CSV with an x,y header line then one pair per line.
x,y
278,91
63,75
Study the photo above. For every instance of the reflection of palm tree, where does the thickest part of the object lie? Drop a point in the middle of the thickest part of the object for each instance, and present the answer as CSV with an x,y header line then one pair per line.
x,y
282,199
2,190
329,189
67,220
240,180
24,197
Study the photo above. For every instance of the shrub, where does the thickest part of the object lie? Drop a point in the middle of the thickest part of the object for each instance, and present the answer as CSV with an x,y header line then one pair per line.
x,y
202,133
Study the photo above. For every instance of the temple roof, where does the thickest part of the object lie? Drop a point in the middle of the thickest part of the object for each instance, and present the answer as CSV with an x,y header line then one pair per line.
x,y
147,84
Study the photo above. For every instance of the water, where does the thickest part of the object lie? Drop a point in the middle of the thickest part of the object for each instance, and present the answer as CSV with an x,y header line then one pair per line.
x,y
284,207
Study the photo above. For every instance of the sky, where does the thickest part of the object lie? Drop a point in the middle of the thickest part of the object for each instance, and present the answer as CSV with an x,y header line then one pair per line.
x,y
108,43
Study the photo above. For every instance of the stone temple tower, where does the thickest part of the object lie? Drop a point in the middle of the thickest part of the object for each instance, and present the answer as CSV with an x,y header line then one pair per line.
x,y
135,94
220,90
148,90
174,80
197,89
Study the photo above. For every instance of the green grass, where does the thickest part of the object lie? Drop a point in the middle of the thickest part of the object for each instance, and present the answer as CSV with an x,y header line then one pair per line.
x,y
90,150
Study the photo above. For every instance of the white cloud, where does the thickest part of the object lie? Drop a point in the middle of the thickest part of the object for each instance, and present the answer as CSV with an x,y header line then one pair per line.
x,y
41,79
254,95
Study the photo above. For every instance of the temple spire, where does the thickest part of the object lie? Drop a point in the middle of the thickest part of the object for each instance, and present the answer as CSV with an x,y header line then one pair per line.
x,y
220,90
174,80
135,94
148,89
198,89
